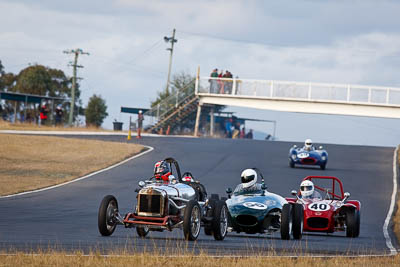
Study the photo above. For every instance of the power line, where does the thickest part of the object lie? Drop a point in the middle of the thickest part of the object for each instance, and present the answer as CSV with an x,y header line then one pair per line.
x,y
75,65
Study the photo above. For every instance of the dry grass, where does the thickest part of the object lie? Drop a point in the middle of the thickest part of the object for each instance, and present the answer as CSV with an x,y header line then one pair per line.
x,y
4,125
31,162
145,259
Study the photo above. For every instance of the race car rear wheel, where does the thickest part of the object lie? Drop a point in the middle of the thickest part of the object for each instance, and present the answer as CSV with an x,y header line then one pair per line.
x,y
208,229
352,223
220,220
106,217
192,220
297,221
142,231
286,221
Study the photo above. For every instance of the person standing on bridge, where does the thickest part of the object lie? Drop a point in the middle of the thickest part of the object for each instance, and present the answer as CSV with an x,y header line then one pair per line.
x,y
214,82
140,124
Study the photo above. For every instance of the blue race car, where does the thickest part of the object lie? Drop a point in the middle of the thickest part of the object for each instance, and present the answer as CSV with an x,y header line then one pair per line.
x,y
308,155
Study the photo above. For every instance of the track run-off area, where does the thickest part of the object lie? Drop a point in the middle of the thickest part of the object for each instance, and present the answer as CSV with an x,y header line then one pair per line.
x,y
65,217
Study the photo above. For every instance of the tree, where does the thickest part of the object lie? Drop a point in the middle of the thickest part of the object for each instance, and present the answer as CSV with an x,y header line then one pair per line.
x,y
96,111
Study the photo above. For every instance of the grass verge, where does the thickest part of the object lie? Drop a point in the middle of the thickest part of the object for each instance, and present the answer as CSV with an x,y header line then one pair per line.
x,y
32,162
146,259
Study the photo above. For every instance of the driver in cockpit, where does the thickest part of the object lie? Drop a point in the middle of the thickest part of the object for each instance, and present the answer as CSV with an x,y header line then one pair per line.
x,y
307,191
249,183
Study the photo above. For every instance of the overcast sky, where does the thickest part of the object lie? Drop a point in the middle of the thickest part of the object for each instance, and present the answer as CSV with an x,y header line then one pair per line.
x,y
354,42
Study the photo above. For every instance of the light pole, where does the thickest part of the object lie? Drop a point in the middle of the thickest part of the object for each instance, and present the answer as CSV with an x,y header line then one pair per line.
x,y
171,40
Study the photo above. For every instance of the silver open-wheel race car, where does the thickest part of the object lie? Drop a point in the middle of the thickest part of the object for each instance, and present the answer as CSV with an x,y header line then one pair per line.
x,y
166,204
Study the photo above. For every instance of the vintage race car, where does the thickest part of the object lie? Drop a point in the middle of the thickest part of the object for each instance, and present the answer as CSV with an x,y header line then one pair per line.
x,y
301,156
166,205
254,212
331,213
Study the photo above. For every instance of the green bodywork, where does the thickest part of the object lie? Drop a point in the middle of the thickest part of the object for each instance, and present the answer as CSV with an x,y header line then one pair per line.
x,y
255,212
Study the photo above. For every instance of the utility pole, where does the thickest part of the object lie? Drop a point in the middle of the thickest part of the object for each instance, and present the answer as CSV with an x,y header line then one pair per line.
x,y
75,65
171,40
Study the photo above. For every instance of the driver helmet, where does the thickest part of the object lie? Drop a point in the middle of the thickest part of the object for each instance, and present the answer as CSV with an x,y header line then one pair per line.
x,y
59,106
249,178
162,171
188,178
308,144
307,188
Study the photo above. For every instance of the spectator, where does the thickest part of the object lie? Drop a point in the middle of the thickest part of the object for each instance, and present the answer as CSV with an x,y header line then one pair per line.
x,y
242,132
228,128
220,83
214,82
228,84
140,124
59,114
43,114
249,135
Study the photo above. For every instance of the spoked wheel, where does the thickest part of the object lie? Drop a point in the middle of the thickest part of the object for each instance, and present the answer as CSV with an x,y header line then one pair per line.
x,y
208,228
220,220
142,231
297,221
106,217
192,220
286,221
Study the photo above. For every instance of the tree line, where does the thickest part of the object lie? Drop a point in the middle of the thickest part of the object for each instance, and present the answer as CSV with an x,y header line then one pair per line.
x,y
45,81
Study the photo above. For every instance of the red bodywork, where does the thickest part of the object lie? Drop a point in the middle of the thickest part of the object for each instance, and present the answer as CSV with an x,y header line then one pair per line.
x,y
325,215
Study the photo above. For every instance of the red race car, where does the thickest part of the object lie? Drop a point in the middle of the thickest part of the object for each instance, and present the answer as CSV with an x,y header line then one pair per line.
x,y
310,212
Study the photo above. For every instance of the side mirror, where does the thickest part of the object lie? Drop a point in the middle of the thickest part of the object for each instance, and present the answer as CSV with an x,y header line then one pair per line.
x,y
142,184
264,187
320,147
346,195
229,192
293,192
295,146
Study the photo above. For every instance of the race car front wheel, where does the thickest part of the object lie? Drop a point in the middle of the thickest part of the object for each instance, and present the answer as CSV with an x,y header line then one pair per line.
x,y
220,220
192,220
297,221
142,231
106,217
352,223
286,221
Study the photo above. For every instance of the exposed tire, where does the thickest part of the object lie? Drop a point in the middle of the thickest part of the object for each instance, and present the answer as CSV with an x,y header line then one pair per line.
x,y
214,196
208,229
106,221
323,166
220,220
291,163
286,221
142,231
192,220
352,223
297,221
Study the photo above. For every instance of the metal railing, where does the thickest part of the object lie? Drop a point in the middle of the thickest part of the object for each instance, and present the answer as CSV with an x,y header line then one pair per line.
x,y
167,105
300,91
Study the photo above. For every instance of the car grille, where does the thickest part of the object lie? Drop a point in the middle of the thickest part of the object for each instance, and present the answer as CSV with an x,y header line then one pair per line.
x,y
246,220
150,205
317,222
308,161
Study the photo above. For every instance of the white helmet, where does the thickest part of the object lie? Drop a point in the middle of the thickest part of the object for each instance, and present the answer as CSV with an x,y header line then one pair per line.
x,y
248,177
308,143
306,188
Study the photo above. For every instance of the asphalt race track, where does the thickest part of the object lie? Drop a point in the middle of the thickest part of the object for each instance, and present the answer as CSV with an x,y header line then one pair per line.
x,y
65,218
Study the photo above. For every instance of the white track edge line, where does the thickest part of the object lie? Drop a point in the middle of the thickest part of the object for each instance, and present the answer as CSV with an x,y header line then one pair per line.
x,y
389,244
83,177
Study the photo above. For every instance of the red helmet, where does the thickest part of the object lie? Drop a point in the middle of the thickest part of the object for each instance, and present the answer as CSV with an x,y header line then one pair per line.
x,y
162,170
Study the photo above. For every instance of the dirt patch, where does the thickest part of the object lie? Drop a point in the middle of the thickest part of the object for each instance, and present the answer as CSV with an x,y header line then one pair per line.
x,y
31,162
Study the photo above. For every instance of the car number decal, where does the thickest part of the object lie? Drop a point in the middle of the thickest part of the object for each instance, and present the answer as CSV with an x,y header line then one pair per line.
x,y
255,205
302,155
319,206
